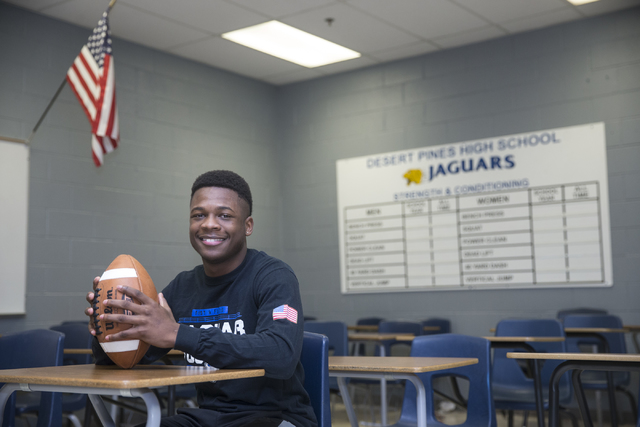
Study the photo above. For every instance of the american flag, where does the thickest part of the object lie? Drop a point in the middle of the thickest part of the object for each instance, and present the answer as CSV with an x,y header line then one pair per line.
x,y
92,79
285,312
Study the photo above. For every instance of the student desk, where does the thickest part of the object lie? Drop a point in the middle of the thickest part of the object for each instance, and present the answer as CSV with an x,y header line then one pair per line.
x,y
578,362
378,338
534,365
171,390
111,380
634,330
396,368
374,328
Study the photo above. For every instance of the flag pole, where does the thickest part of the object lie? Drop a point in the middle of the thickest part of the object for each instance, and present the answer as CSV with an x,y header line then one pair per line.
x,y
46,110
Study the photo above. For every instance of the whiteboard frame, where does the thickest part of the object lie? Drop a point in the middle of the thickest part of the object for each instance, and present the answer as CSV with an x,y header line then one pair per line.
x,y
14,193
373,179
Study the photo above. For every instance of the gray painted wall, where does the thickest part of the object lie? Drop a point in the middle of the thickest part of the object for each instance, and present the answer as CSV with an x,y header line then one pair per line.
x,y
180,118
582,72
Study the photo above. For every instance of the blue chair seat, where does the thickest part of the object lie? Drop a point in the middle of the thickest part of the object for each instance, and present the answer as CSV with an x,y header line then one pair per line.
x,y
512,389
510,397
480,406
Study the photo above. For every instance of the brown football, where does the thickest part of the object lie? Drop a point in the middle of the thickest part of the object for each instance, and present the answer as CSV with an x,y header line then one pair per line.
x,y
127,271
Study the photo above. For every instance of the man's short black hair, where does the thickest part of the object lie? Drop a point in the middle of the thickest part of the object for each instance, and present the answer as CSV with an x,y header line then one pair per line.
x,y
224,179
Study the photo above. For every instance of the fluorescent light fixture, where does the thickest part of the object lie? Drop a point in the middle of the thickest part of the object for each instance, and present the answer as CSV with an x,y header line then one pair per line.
x,y
579,2
293,45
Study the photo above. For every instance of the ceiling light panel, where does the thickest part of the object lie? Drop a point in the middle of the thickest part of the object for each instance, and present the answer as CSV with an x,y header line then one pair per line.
x,y
293,45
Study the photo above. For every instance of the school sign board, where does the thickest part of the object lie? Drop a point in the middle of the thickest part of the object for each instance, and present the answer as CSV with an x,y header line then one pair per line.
x,y
519,211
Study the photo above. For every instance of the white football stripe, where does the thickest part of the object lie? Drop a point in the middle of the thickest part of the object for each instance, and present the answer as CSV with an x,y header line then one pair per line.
x,y
120,346
119,273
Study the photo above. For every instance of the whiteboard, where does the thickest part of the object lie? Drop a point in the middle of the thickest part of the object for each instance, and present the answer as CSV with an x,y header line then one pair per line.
x,y
14,197
517,211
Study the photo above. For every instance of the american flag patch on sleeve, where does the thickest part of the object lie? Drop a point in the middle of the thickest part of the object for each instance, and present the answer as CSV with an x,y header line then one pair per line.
x,y
285,312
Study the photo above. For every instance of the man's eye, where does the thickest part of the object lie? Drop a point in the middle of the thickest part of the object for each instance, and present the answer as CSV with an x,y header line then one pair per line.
x,y
225,216
198,215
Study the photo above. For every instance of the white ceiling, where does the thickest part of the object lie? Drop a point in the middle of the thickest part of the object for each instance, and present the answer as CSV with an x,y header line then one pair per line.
x,y
382,30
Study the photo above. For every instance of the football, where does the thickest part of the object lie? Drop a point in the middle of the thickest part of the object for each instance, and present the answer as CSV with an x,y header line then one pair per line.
x,y
125,270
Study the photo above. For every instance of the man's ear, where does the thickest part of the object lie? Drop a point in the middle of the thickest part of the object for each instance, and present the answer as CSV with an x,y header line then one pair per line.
x,y
248,226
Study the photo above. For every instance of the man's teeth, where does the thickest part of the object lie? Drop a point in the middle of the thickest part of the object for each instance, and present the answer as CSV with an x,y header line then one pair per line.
x,y
212,240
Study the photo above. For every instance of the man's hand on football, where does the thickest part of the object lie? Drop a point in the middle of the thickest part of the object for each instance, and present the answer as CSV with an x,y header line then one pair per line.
x,y
89,311
151,322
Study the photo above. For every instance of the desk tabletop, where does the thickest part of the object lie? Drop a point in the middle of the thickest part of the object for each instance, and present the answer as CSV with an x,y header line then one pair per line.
x,y
631,328
117,378
396,364
605,357
592,330
525,339
374,328
373,336
88,351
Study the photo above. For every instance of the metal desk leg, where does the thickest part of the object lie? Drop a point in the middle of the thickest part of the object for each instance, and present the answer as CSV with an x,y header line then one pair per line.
x,y
5,394
101,410
383,392
346,398
537,385
153,408
421,400
171,400
581,398
611,388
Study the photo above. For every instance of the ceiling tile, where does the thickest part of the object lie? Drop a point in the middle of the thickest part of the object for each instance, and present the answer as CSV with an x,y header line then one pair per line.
x,y
281,8
150,30
292,77
406,51
127,23
36,4
508,10
231,56
79,12
212,16
425,18
602,6
473,36
350,28
541,21
351,64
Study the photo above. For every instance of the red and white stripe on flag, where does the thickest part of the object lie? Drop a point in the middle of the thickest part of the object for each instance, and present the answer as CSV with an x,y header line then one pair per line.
x,y
92,79
285,312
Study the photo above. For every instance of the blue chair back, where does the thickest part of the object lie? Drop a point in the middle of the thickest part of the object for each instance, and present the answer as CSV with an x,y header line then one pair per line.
x,y
480,407
444,324
510,382
369,321
76,335
398,327
315,361
615,341
580,310
33,349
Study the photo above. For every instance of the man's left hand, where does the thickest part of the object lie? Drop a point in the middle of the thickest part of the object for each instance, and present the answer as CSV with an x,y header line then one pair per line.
x,y
151,322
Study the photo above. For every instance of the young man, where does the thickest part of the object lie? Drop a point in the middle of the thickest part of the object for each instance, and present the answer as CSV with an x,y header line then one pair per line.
x,y
226,313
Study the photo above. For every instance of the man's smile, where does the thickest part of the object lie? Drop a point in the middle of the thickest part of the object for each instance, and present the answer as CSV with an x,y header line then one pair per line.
x,y
211,241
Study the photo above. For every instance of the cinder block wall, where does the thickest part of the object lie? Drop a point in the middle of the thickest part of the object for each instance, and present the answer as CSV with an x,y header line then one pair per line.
x,y
570,74
178,119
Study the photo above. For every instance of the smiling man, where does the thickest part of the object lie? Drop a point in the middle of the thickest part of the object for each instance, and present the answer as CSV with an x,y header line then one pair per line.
x,y
240,309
